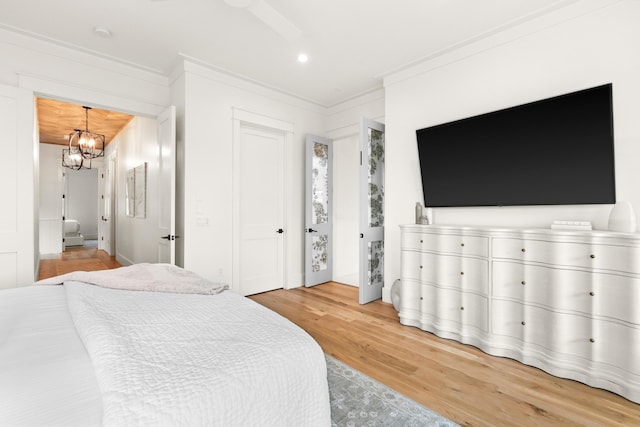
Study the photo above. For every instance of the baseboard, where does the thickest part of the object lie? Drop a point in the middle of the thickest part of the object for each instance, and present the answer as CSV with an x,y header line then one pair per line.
x,y
352,279
124,261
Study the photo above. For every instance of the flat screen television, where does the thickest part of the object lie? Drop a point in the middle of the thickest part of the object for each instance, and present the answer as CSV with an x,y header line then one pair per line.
x,y
557,151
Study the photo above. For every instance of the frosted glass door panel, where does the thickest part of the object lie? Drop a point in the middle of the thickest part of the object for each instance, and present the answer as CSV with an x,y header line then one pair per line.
x,y
320,184
318,211
371,211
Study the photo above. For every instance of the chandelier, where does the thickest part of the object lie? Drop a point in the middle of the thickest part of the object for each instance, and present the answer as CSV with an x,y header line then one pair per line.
x,y
87,144
73,160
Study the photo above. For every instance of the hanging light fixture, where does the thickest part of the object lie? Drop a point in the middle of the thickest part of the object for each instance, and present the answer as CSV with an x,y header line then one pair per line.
x,y
88,144
73,160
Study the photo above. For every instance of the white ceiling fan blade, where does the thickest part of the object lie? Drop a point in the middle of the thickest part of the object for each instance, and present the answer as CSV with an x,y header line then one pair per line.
x,y
275,20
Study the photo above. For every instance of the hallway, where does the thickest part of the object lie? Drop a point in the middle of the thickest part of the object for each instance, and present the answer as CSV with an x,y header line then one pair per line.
x,y
80,258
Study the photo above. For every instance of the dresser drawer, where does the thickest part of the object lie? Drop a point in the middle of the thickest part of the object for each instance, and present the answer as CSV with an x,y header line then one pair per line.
x,y
448,309
616,345
574,336
593,294
447,243
606,257
461,273
564,334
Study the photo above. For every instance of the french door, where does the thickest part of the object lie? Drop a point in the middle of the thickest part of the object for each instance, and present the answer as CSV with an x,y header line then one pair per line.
x,y
372,151
318,264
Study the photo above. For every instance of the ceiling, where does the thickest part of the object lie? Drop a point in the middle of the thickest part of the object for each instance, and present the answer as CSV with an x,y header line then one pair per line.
x,y
351,44
56,120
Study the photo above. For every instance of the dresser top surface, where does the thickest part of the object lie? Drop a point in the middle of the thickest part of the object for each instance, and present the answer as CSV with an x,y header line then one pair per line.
x,y
593,236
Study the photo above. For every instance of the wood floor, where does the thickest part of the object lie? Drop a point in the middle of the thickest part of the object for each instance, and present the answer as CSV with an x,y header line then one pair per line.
x,y
76,258
458,381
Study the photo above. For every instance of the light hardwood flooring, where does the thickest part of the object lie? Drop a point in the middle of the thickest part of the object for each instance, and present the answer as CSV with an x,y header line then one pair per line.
x,y
76,258
458,381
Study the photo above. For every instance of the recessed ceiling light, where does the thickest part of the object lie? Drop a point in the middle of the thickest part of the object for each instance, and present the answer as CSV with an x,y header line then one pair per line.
x,y
302,58
102,32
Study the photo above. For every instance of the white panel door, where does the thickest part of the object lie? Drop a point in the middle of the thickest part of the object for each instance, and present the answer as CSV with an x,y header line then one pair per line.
x,y
371,211
65,191
261,218
318,253
106,232
17,220
167,186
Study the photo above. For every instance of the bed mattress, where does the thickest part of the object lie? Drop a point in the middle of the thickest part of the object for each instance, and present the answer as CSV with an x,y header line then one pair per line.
x,y
46,376
83,355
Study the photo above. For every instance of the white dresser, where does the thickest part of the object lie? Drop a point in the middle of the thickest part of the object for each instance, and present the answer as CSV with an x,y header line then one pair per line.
x,y
567,302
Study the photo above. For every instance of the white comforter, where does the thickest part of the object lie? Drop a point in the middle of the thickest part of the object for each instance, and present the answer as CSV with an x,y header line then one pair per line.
x,y
196,360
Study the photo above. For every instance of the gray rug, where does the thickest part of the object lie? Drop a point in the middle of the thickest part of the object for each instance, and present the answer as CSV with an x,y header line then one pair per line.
x,y
357,400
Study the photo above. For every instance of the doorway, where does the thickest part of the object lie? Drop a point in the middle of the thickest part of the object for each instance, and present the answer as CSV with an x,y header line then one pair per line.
x,y
354,195
70,189
261,210
81,210
144,145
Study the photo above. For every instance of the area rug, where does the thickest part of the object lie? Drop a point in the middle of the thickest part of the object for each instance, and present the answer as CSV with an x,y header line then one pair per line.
x,y
358,400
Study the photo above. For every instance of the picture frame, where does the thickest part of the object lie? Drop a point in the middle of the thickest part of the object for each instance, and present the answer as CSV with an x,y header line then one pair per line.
x,y
129,193
140,193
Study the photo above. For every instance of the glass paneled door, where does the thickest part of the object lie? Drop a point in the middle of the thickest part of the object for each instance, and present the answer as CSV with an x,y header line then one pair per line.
x,y
318,211
371,211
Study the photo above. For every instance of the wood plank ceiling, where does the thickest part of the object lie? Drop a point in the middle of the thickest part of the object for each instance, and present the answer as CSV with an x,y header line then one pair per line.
x,y
57,119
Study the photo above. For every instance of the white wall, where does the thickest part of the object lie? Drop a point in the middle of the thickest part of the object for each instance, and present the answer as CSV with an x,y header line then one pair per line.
x,y
207,175
137,238
50,199
540,60
205,100
346,210
82,199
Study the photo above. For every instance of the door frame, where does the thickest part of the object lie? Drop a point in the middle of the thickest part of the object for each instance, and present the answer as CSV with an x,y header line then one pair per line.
x,y
242,117
47,88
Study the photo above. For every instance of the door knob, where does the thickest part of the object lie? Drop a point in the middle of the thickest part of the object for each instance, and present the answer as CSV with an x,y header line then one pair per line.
x,y
311,230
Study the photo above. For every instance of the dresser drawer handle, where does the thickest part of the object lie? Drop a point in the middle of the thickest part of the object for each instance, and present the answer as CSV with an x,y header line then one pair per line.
x,y
592,340
592,293
523,283
421,241
461,308
462,273
522,323
523,250
420,267
421,298
592,256
462,244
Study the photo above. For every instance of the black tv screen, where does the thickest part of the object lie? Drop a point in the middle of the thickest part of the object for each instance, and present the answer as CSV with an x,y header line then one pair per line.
x,y
557,151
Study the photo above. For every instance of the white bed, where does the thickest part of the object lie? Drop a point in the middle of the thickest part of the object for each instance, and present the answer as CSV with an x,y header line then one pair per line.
x,y
85,355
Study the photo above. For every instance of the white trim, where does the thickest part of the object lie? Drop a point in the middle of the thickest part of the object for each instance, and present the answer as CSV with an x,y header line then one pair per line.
x,y
261,120
556,14
97,97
